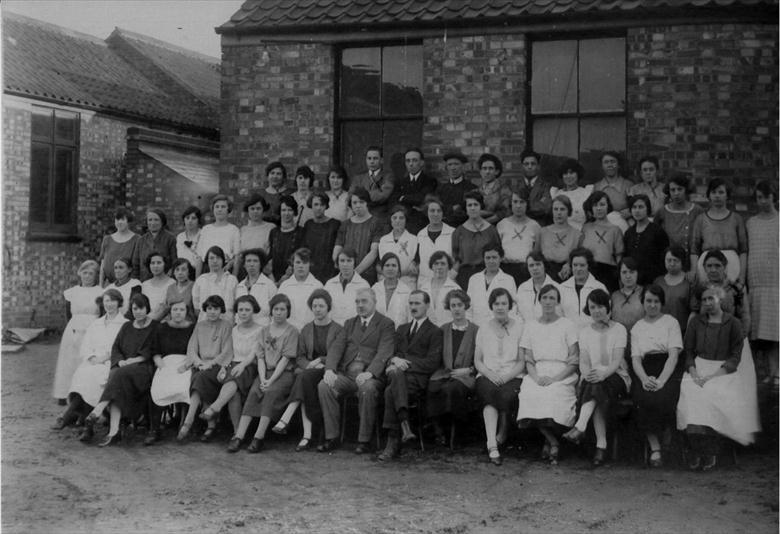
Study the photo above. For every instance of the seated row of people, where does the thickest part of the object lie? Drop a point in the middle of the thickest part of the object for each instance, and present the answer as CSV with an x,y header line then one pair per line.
x,y
542,370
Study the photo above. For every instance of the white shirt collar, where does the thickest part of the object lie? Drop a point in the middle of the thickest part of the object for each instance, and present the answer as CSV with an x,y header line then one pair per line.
x,y
414,177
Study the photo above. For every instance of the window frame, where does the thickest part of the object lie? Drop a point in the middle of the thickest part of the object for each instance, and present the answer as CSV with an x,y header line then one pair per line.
x,y
50,230
340,121
578,115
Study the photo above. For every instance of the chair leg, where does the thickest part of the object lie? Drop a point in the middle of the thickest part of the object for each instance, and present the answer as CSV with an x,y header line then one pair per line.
x,y
343,420
452,436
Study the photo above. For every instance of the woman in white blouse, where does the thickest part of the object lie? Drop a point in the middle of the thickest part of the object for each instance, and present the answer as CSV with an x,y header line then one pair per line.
x,y
547,397
401,243
392,294
187,241
215,282
434,237
221,232
299,287
156,287
437,287
338,194
528,306
603,369
656,343
499,364
257,284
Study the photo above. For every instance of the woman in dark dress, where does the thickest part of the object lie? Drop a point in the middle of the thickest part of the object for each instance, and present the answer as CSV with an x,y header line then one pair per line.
x,y
127,391
319,236
645,241
313,343
169,346
470,238
285,238
450,386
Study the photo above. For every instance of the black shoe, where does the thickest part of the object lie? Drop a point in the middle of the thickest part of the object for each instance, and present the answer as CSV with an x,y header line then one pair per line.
x,y
208,434
234,444
328,445
89,431
152,437
391,450
362,448
303,445
709,463
62,402
111,440
598,458
256,446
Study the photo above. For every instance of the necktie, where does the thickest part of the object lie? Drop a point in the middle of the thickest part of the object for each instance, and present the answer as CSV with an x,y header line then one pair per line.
x,y
364,323
413,331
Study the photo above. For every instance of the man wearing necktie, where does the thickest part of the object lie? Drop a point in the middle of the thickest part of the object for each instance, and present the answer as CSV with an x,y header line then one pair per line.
x,y
411,190
378,182
356,364
418,348
537,189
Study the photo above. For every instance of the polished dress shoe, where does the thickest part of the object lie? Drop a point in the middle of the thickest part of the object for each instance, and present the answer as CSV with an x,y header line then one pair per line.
x,y
328,445
111,440
152,437
362,448
256,446
598,458
234,444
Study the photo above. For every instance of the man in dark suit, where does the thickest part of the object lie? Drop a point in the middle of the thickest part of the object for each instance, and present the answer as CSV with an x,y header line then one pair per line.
x,y
539,200
356,364
410,191
451,193
378,182
417,355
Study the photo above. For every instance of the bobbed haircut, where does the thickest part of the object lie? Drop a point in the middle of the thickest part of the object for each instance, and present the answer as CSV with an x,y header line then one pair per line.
x,y
247,298
152,254
280,298
214,301
320,294
654,289
599,297
439,254
549,287
218,252
496,293
139,300
189,210
563,199
184,261
276,165
457,294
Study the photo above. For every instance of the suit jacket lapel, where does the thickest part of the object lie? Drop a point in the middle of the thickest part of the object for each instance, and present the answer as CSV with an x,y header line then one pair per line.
x,y
448,357
464,344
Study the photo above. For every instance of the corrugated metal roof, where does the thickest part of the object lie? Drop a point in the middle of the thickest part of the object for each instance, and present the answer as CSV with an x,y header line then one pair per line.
x,y
53,63
283,15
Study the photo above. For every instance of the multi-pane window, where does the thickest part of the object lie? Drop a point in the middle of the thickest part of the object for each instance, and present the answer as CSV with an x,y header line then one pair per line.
x,y
578,91
379,103
54,171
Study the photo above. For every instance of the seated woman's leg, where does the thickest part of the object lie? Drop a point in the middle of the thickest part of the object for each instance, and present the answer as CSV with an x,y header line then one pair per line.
x,y
490,418
226,392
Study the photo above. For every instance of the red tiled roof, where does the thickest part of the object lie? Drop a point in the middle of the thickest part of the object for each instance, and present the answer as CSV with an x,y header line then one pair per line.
x,y
328,15
53,63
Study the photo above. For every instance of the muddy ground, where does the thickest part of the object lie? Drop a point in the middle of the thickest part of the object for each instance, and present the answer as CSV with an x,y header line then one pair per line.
x,y
53,483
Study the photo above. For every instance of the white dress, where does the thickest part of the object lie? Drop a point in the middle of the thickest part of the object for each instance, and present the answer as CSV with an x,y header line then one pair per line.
x,y
84,310
90,378
550,346
298,293
156,294
398,307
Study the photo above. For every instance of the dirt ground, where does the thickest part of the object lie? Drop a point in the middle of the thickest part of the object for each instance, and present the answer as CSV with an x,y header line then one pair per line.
x,y
53,483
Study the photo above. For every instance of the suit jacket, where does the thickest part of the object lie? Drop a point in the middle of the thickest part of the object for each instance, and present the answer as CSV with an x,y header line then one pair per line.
x,y
452,197
379,189
463,358
423,350
306,343
539,200
372,347
414,198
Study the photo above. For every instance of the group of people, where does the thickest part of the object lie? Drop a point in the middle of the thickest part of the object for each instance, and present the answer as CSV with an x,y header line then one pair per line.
x,y
542,304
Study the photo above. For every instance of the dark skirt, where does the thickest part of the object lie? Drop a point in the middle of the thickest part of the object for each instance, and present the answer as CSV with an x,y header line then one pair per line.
x,y
606,274
205,384
605,393
503,398
244,380
465,272
128,388
655,410
448,396
304,390
271,402
518,271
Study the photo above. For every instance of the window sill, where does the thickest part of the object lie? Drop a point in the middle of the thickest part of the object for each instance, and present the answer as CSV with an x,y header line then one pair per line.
x,y
38,236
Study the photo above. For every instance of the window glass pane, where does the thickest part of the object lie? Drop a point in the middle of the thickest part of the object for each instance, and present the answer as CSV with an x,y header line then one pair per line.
x,y
598,135
402,80
40,167
398,136
63,185
602,75
554,77
41,122
65,126
360,82
355,138
556,136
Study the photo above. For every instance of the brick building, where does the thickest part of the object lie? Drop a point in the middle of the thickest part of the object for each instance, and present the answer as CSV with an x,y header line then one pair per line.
x,y
90,125
693,82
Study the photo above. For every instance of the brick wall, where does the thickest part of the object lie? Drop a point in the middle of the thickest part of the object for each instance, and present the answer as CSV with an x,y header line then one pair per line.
x,y
474,90
277,104
704,99
36,273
